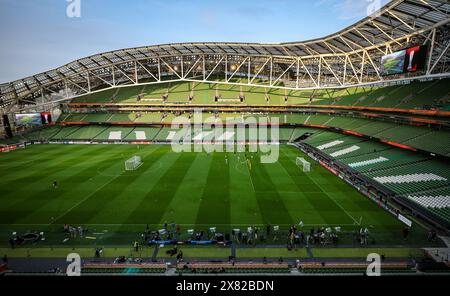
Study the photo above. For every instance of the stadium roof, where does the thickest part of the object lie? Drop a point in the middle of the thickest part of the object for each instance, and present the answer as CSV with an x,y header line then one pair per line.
x,y
391,27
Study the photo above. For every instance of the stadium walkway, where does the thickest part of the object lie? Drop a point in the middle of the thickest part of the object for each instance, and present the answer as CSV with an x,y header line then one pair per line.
x,y
440,254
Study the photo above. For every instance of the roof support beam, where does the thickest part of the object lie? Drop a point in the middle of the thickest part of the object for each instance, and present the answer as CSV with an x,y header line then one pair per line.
x,y
444,51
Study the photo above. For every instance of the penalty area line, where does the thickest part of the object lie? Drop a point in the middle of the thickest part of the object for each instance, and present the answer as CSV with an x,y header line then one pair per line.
x,y
355,222
83,200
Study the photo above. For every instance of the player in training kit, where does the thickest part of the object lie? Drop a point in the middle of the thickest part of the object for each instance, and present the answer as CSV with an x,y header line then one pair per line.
x,y
55,184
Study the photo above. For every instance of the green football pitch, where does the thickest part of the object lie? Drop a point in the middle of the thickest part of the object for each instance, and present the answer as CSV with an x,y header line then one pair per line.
x,y
194,190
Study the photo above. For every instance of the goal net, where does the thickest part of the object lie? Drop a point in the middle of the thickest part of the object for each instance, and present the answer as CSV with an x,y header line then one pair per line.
x,y
133,163
300,161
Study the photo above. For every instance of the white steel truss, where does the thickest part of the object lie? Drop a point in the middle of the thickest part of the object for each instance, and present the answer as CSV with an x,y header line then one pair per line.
x,y
348,58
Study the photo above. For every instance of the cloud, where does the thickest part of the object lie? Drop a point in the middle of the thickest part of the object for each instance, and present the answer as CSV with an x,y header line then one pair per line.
x,y
352,9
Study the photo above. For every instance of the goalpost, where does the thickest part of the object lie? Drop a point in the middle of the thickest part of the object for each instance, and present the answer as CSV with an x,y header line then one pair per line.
x,y
300,161
133,163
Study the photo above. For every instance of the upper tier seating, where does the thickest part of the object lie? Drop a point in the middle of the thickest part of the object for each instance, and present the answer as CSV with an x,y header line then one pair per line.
x,y
415,95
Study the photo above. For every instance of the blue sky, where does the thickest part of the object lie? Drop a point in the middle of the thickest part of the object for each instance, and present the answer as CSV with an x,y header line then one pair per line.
x,y
37,35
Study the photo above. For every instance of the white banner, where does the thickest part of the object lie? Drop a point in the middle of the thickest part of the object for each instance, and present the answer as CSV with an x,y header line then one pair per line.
x,y
405,220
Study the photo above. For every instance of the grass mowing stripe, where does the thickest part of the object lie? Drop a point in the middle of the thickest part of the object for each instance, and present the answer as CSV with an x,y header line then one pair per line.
x,y
41,188
48,166
80,202
298,177
39,170
341,187
215,204
112,207
49,200
19,159
62,199
138,185
297,200
152,207
97,200
57,169
117,187
382,225
272,208
322,205
244,206
184,207
329,196
211,252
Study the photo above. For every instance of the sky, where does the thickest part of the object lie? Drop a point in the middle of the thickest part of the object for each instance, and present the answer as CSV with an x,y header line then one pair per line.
x,y
39,35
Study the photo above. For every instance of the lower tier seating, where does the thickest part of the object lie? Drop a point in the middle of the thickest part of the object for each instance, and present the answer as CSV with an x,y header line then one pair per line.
x,y
421,179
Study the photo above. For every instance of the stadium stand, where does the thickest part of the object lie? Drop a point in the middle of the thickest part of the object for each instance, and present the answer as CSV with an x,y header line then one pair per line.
x,y
114,133
434,141
428,95
122,117
417,177
105,268
64,133
86,133
143,133
420,137
42,134
387,136
232,268
101,97
352,268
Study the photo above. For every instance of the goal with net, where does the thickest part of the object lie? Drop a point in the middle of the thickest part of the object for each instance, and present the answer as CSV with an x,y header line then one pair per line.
x,y
300,161
133,163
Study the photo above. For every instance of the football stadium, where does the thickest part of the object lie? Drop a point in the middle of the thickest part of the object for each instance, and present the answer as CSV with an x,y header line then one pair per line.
x,y
296,158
